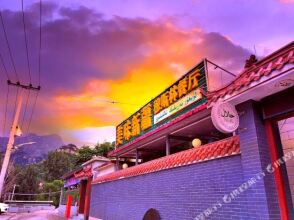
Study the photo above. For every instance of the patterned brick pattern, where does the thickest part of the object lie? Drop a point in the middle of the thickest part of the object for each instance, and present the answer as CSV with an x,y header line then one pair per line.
x,y
178,194
262,199
226,147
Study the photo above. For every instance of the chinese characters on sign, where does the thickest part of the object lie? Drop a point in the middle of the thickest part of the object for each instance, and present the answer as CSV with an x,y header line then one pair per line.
x,y
188,99
177,91
177,97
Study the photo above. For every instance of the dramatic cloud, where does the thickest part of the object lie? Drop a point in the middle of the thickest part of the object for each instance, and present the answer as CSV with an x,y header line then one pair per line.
x,y
287,1
89,61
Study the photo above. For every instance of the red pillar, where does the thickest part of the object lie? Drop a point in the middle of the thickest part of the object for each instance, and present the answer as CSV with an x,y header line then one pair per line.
x,y
88,198
82,194
68,206
277,174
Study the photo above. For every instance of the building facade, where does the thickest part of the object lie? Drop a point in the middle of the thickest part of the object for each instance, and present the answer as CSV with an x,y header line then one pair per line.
x,y
77,183
244,173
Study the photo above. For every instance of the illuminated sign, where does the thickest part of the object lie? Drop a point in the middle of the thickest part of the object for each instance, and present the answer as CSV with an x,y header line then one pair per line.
x,y
177,106
177,99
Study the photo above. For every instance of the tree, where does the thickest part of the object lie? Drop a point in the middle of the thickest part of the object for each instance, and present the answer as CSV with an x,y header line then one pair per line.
x,y
10,178
27,181
104,148
52,190
57,164
84,154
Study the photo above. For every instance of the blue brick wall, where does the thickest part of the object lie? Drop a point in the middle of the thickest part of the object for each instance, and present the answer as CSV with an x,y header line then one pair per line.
x,y
262,199
178,194
184,192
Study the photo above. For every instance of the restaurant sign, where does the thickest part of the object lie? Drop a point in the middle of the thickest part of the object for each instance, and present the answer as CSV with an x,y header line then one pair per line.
x,y
179,105
177,99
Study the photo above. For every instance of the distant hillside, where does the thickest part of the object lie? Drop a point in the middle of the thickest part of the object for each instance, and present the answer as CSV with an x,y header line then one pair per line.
x,y
32,148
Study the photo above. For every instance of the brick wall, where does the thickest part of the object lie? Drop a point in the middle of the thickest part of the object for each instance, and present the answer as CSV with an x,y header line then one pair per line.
x,y
178,193
184,192
262,198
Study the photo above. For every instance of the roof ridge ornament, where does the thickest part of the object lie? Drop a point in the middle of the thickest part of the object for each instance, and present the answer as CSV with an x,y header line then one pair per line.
x,y
251,61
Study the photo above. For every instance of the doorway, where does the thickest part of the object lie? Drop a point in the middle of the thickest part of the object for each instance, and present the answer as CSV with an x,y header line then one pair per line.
x,y
280,135
286,133
152,214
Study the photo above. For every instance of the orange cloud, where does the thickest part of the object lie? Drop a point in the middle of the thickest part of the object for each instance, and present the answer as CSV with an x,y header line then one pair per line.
x,y
287,1
168,52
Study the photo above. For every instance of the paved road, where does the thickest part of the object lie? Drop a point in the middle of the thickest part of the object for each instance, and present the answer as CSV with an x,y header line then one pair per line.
x,y
38,215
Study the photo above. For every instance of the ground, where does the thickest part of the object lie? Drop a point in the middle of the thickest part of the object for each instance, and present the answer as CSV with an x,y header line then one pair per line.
x,y
38,215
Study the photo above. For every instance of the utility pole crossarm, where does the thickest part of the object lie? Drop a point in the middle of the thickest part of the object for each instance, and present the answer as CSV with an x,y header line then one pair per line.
x,y
18,84
13,129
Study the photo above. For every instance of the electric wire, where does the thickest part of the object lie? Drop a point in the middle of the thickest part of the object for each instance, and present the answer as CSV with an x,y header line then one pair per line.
x,y
39,62
26,41
5,113
25,110
8,46
4,67
40,44
32,112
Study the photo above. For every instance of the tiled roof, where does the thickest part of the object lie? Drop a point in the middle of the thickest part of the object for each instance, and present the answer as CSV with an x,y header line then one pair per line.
x,y
96,158
265,67
104,165
71,173
85,172
218,149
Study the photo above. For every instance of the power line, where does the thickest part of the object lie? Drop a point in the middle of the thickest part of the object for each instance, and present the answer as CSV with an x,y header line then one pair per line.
x,y
39,73
32,113
4,67
26,41
116,102
25,109
40,44
8,46
5,114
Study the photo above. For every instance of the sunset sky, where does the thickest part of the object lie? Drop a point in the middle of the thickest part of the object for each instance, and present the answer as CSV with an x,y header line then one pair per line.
x,y
128,51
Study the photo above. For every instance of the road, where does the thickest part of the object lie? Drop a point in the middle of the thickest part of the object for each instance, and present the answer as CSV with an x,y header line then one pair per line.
x,y
38,215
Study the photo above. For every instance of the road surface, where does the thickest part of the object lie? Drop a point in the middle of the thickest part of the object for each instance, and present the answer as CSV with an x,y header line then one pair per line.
x,y
38,215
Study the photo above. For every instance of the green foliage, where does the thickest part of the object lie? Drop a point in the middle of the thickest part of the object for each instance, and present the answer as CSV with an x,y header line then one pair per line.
x,y
75,196
84,154
57,164
51,188
104,148
27,181
50,171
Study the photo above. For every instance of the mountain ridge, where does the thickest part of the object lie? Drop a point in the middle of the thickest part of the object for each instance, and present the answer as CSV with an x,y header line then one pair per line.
x,y
31,148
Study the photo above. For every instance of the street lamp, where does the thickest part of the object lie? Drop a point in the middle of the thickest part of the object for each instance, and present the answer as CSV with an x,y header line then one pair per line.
x,y
19,145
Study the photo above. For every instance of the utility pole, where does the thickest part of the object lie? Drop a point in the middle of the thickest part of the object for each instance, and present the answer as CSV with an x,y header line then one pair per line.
x,y
13,129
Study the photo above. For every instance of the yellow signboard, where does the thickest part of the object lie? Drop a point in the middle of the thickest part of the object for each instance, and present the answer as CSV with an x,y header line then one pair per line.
x,y
179,96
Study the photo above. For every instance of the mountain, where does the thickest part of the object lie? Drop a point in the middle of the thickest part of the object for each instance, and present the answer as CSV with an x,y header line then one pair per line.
x,y
31,148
